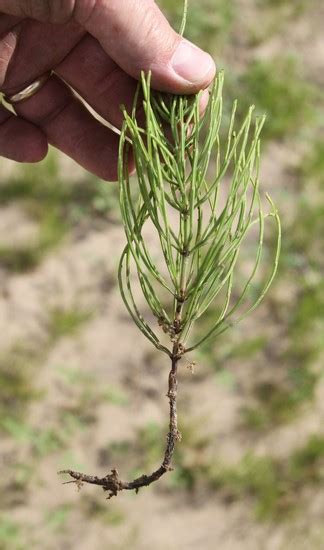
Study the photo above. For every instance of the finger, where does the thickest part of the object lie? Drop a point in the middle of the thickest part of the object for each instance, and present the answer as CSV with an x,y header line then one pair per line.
x,y
138,37
42,10
20,140
70,127
87,68
135,34
97,78
31,49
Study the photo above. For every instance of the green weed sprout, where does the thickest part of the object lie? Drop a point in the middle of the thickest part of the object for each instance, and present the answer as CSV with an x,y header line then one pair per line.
x,y
200,222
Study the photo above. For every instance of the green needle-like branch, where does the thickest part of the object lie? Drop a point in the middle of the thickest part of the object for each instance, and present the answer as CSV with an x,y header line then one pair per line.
x,y
185,228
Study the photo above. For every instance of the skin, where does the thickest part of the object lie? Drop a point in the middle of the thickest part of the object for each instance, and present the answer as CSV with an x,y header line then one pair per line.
x,y
98,48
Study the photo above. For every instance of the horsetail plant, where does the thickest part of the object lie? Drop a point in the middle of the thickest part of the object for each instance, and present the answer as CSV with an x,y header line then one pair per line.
x,y
200,222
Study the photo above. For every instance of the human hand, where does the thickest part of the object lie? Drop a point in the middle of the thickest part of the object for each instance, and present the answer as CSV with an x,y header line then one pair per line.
x,y
98,48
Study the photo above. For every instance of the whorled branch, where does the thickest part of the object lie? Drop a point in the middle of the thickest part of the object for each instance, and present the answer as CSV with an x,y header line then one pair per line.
x,y
111,482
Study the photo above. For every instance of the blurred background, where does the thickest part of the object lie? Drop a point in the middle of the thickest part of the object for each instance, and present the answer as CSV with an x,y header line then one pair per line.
x,y
81,388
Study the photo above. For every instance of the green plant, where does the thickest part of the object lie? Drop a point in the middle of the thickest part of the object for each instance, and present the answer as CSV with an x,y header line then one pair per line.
x,y
200,226
41,442
277,89
114,396
11,535
256,477
313,165
276,486
56,205
25,257
17,389
56,519
277,403
15,484
66,322
306,325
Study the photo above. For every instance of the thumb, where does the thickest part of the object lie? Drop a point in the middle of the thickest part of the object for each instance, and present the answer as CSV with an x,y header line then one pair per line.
x,y
134,33
138,37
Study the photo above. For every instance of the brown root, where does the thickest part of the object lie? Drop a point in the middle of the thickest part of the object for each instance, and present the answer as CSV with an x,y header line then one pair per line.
x,y
111,483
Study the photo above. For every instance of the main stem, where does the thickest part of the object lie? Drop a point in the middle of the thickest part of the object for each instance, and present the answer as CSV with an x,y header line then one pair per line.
x,y
111,482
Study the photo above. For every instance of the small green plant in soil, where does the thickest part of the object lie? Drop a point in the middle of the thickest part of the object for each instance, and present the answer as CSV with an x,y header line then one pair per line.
x,y
55,205
277,88
66,322
300,356
313,165
279,403
201,221
11,535
276,486
40,442
57,518
27,256
16,381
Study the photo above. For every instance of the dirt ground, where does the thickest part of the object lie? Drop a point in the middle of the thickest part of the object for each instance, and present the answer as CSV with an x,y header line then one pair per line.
x,y
98,390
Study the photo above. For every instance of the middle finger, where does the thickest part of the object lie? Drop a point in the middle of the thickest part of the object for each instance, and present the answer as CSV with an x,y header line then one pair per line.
x,y
69,126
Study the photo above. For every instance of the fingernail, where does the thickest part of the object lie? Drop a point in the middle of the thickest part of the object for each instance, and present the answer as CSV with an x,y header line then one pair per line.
x,y
192,64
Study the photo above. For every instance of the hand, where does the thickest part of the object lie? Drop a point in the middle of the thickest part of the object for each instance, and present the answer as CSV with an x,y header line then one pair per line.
x,y
98,48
